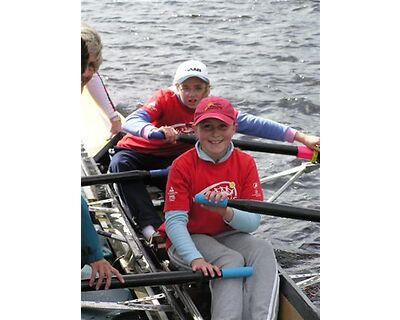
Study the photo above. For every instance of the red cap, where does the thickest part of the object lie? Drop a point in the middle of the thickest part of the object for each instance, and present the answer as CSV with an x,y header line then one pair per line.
x,y
216,108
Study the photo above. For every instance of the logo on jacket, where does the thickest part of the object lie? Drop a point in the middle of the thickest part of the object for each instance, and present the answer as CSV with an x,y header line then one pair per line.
x,y
256,192
172,194
184,128
227,187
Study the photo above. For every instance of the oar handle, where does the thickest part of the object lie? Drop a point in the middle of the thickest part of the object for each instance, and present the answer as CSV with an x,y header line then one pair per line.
x,y
238,272
159,172
168,278
201,198
156,135
304,152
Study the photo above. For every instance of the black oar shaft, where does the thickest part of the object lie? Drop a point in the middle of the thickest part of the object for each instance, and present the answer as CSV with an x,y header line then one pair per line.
x,y
133,175
266,147
277,210
167,278
251,145
267,208
298,151
114,177
150,279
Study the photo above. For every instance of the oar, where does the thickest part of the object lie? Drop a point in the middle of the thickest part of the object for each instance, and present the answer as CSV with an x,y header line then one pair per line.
x,y
132,175
167,278
302,152
267,208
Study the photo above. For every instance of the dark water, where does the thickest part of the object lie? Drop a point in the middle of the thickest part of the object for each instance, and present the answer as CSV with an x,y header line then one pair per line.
x,y
261,55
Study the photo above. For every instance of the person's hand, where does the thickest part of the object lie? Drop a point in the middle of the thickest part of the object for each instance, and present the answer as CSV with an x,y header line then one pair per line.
x,y
212,196
205,267
115,125
169,132
105,271
310,141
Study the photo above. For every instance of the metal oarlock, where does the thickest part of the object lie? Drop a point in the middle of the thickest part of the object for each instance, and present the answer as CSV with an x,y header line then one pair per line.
x,y
297,172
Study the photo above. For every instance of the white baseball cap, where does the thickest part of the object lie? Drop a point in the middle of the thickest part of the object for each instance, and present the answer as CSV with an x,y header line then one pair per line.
x,y
191,68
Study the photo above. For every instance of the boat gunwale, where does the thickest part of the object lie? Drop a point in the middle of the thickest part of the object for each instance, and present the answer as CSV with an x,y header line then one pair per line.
x,y
296,297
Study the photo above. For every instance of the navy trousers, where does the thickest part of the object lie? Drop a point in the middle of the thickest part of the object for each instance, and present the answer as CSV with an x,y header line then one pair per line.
x,y
134,194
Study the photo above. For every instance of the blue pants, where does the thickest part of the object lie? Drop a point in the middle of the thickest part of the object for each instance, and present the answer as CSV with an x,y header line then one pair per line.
x,y
134,194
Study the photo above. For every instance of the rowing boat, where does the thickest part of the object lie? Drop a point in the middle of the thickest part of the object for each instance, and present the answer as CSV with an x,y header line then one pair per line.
x,y
131,254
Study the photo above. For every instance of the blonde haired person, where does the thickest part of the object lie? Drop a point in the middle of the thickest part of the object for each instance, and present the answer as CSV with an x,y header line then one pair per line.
x,y
91,252
92,79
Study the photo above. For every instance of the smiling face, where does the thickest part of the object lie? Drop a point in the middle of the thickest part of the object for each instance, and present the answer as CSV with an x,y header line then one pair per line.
x,y
192,90
215,136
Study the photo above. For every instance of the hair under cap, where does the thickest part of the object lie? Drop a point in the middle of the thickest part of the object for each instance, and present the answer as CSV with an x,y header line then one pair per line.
x,y
216,108
189,69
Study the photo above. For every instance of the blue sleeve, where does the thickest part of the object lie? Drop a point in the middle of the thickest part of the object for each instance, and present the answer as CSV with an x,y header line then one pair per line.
x,y
136,121
90,246
175,226
260,127
244,221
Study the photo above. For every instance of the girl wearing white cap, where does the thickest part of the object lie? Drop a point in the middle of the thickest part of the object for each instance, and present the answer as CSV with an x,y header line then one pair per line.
x,y
171,111
91,251
91,78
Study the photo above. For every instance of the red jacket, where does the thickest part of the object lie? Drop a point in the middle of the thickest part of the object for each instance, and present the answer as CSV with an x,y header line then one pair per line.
x,y
164,109
190,175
